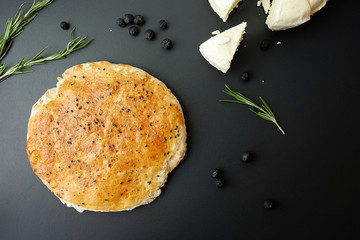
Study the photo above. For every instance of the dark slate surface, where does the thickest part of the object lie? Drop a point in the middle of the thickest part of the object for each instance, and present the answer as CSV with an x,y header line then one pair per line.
x,y
311,80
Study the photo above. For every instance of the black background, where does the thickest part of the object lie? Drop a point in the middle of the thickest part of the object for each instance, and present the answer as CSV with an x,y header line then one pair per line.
x,y
311,81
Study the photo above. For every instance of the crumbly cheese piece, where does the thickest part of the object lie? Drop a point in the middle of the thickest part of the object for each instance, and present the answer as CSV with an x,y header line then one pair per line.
x,y
265,4
285,14
219,50
316,5
223,7
216,32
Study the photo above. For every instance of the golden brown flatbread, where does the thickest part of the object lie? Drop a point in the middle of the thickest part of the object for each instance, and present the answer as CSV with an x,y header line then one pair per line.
x,y
106,138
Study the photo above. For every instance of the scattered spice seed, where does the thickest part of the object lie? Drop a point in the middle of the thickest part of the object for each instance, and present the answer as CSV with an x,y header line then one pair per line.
x,y
219,183
216,173
166,43
121,22
139,20
265,44
133,30
149,34
163,24
64,25
247,157
128,18
245,76
269,204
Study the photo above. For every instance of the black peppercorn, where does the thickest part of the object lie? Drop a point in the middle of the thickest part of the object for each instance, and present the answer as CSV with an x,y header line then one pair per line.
x,y
121,22
166,43
149,34
268,204
133,30
219,183
65,25
216,173
245,76
265,45
129,18
163,24
246,157
139,20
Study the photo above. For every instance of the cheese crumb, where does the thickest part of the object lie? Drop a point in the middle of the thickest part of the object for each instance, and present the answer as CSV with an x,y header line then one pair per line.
x,y
223,7
266,5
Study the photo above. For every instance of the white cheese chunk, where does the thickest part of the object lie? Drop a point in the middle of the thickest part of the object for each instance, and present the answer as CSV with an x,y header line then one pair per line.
x,y
219,50
316,5
285,14
223,7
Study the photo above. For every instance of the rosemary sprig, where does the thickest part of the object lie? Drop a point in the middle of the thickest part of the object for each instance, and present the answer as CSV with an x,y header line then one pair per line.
x,y
14,26
73,45
264,111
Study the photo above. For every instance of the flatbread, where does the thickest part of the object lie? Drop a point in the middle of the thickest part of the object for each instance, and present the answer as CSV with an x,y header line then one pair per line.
x,y
106,138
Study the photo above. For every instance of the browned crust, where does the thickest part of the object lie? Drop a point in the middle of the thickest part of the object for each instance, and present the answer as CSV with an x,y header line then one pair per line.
x,y
106,138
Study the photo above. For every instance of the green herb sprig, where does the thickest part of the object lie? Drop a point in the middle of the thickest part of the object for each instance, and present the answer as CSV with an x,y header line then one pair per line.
x,y
264,110
14,26
73,45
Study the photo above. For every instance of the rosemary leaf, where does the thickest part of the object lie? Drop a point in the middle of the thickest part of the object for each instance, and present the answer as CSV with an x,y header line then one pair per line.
x,y
73,45
264,111
2,68
14,26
